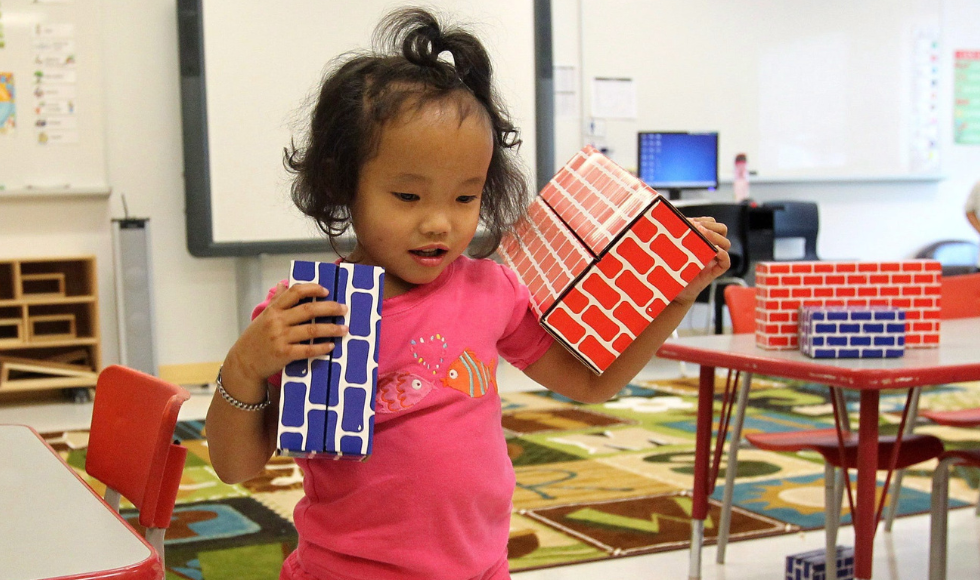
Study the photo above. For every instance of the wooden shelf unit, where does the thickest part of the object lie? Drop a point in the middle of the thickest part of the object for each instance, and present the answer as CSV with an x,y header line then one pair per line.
x,y
49,323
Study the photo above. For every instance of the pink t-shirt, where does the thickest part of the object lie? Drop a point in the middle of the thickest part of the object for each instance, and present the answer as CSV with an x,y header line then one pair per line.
x,y
433,501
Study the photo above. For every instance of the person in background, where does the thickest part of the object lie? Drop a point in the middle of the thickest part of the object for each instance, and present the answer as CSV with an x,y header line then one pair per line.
x,y
972,209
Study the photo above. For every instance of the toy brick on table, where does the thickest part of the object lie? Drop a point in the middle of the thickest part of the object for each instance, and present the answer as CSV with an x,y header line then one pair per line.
x,y
602,254
852,332
327,403
783,287
812,566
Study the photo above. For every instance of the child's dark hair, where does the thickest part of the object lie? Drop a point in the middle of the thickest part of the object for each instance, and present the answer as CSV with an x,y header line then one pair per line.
x,y
368,90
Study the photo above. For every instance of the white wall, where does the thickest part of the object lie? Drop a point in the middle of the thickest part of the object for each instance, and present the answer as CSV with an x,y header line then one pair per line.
x,y
195,298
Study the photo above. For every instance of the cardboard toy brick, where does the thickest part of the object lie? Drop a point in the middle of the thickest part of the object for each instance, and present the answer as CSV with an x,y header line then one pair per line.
x,y
602,254
783,287
852,332
327,403
812,566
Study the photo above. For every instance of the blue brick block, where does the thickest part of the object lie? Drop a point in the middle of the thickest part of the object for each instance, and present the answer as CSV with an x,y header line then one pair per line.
x,y
812,565
327,403
857,332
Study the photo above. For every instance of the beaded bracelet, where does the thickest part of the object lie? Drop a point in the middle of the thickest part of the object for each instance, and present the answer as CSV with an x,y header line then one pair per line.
x,y
235,402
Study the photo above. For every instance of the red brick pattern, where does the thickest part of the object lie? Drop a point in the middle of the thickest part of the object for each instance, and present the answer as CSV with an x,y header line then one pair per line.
x,y
610,306
596,198
783,287
545,254
635,255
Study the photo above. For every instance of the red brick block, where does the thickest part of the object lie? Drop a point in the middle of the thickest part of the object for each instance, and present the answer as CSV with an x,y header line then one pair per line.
x,y
610,265
665,247
629,316
600,322
602,254
595,286
638,292
645,229
563,323
801,268
636,255
595,351
576,301
913,285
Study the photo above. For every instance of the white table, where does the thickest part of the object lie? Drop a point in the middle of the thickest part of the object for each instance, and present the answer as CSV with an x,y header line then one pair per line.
x,y
52,525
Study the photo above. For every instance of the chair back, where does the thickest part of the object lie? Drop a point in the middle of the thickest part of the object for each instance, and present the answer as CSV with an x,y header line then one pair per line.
x,y
734,216
741,307
131,447
956,256
797,219
960,296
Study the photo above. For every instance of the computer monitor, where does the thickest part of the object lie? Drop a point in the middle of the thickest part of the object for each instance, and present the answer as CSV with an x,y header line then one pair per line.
x,y
676,161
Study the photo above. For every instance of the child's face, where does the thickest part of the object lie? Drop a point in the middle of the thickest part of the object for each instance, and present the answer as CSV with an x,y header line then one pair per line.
x,y
418,200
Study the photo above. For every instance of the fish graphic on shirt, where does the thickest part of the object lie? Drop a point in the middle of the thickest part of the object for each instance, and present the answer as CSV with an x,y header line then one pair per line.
x,y
399,391
470,376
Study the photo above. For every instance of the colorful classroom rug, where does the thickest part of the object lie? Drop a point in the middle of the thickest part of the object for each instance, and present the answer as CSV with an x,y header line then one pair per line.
x,y
593,481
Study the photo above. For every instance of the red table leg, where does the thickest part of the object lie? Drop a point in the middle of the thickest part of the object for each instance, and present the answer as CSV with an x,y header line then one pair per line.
x,y
865,520
702,455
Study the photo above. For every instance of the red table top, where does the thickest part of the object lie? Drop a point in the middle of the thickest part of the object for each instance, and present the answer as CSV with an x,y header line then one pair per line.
x,y
957,358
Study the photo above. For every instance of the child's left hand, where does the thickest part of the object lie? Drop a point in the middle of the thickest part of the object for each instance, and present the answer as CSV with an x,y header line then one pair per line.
x,y
715,232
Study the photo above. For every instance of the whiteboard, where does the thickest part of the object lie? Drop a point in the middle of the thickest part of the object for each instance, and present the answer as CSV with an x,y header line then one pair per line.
x,y
263,61
55,142
808,89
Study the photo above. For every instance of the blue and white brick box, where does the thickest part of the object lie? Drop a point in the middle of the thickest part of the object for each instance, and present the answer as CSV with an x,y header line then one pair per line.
x,y
327,403
811,565
852,332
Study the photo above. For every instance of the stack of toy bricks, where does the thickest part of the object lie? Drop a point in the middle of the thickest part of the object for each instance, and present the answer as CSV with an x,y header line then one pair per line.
x,y
783,288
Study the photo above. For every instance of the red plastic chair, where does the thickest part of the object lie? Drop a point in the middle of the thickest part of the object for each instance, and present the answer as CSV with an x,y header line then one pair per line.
x,y
837,452
959,296
131,448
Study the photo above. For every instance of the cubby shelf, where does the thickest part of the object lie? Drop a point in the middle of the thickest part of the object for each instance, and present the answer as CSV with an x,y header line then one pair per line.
x,y
49,323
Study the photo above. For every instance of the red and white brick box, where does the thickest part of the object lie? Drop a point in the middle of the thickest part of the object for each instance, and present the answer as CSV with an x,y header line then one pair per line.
x,y
602,254
783,287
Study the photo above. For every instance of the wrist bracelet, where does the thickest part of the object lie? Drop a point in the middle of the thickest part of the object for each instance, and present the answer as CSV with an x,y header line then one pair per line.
x,y
235,402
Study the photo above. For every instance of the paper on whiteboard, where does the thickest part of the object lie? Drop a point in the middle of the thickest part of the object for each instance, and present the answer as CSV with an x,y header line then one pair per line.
x,y
566,91
613,98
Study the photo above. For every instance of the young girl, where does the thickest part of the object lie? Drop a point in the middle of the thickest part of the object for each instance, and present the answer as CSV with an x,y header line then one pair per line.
x,y
412,149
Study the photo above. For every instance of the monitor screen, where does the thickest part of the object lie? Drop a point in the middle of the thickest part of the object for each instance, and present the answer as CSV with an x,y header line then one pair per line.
x,y
676,161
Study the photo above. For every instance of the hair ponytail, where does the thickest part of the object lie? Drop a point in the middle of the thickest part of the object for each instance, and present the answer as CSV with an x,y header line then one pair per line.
x,y
409,66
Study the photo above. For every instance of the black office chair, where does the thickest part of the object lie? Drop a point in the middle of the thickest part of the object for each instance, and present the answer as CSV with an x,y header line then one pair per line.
x,y
956,256
735,216
797,219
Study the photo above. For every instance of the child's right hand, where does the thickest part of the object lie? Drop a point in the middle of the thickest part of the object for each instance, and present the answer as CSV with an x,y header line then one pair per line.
x,y
282,332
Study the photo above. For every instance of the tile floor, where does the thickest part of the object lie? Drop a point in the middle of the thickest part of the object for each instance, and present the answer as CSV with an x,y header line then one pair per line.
x,y
899,555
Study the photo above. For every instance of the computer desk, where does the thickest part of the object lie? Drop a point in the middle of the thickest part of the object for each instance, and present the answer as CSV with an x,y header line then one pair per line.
x,y
957,358
53,525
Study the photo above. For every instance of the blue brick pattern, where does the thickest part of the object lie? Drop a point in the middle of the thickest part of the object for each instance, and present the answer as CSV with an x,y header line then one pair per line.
x,y
327,403
852,332
811,565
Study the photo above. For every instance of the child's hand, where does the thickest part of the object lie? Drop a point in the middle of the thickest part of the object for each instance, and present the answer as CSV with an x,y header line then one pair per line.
x,y
282,332
715,232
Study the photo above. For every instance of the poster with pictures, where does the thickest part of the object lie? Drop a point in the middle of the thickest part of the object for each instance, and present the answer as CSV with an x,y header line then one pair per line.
x,y
966,97
8,103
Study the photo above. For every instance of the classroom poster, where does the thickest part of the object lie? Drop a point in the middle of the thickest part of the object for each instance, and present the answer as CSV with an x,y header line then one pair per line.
x,y
55,79
8,109
924,152
966,97
3,39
